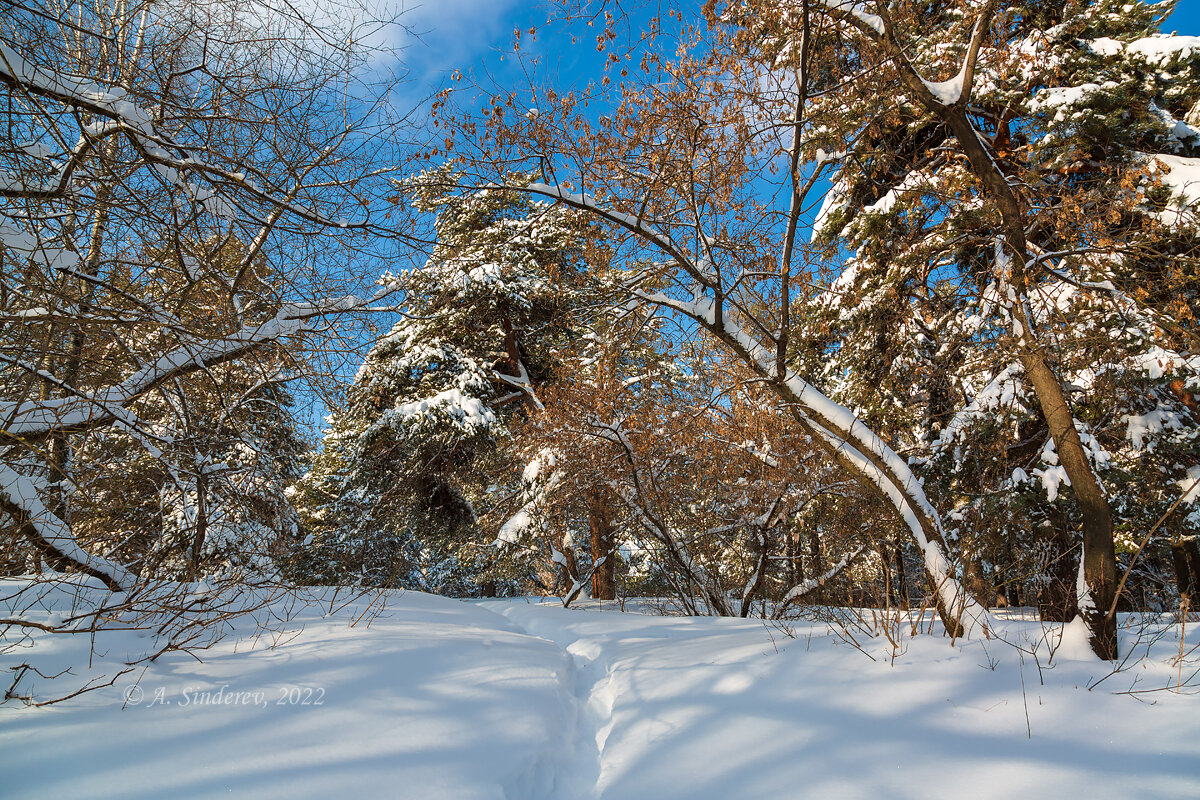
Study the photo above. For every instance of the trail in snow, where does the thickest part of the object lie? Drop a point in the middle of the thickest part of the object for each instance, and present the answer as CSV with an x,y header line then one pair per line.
x,y
706,709
439,699
570,766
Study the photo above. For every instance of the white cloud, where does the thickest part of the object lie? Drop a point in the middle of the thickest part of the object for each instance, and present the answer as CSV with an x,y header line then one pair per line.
x,y
454,34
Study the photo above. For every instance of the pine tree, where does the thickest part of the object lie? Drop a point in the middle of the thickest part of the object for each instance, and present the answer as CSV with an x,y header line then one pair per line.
x,y
1082,106
419,443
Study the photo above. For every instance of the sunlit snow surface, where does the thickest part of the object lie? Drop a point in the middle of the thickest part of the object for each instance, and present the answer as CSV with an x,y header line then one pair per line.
x,y
437,698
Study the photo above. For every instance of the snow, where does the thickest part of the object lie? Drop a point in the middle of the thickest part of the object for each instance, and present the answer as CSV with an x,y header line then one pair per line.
x,y
1067,102
1052,480
1001,393
804,587
834,201
1140,429
429,698
857,444
39,417
470,411
18,496
910,184
1162,50
1190,486
763,454
950,91
1178,131
1182,178
1156,362
110,101
540,477
510,532
1105,46
434,698
584,200
858,11
541,466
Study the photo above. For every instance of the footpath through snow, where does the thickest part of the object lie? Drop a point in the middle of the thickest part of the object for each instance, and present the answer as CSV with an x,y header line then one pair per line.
x,y
509,700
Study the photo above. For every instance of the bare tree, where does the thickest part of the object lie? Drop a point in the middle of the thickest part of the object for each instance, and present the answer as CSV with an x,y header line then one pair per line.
x,y
185,190
677,173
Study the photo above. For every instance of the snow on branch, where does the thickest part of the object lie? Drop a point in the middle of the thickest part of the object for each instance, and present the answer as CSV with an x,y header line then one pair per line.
x,y
82,411
79,411
522,383
857,11
636,225
812,584
19,500
855,445
74,91
173,160
956,91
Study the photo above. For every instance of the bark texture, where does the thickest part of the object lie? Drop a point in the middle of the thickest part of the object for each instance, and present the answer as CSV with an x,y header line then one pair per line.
x,y
1185,556
600,526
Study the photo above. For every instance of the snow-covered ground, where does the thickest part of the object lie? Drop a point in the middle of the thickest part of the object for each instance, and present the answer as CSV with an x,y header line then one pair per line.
x,y
437,698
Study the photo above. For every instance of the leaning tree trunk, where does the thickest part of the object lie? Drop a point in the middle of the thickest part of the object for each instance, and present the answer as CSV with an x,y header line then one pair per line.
x,y
859,450
1099,567
833,427
1098,573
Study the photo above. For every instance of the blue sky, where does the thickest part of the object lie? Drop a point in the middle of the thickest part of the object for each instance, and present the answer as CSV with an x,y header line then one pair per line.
x,y
475,37
1186,19
471,36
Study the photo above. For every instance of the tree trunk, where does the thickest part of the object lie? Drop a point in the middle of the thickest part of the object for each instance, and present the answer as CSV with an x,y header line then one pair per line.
x,y
792,554
1099,552
1057,601
600,526
60,442
976,581
760,548
1099,560
901,576
891,589
201,532
1009,593
818,563
570,568
833,427
1185,555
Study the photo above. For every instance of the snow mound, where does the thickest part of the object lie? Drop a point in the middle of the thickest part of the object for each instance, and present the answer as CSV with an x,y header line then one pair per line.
x,y
406,695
